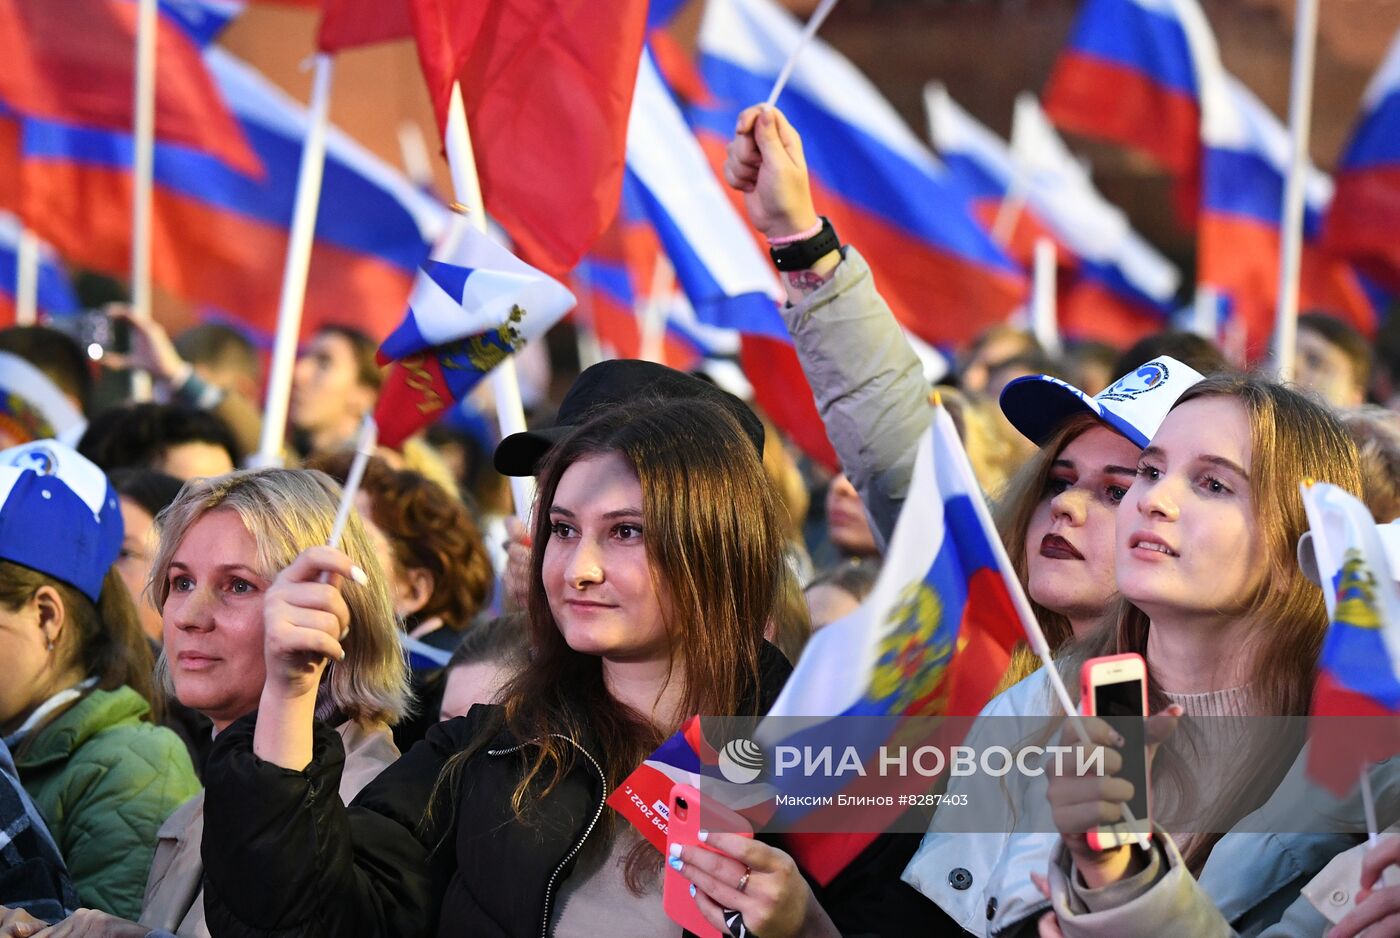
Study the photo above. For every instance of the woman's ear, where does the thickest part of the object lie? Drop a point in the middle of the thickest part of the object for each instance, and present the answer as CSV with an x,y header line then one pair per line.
x,y
52,614
415,590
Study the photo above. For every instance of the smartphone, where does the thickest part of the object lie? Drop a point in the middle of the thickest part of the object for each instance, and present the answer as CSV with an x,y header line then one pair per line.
x,y
95,332
683,826
1114,687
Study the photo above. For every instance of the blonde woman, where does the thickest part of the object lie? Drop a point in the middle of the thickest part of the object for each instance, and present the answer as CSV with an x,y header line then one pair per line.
x,y
234,550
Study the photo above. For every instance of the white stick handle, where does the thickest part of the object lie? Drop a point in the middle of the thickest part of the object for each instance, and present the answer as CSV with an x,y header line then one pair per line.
x,y
27,278
656,310
813,24
1044,315
505,384
1291,225
1035,635
1368,805
1205,318
143,174
299,243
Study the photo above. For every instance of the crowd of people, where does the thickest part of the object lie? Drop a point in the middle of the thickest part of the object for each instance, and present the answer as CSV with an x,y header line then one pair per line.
x,y
216,724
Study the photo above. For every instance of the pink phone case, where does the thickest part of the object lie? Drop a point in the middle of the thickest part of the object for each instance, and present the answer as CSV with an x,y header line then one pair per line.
x,y
683,827
1107,838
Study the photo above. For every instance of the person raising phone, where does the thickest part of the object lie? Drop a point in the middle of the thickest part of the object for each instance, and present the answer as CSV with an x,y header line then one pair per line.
x,y
1214,600
1056,515
657,566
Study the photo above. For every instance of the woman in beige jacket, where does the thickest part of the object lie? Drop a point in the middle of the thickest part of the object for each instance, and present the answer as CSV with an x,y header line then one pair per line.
x,y
229,547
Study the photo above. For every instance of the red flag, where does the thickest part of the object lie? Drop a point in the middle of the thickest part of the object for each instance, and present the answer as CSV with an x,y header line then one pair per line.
x,y
547,86
346,24
75,62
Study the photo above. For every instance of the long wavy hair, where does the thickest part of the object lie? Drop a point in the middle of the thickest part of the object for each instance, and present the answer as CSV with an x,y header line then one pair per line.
x,y
1291,438
713,539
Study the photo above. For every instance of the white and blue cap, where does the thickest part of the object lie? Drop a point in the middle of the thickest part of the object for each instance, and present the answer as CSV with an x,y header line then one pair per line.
x,y
1135,405
58,514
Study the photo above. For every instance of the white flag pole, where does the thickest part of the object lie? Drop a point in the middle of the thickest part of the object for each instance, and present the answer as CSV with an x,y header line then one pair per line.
x,y
1299,120
1044,316
294,274
1035,635
143,174
810,30
1205,313
417,165
656,310
505,384
27,278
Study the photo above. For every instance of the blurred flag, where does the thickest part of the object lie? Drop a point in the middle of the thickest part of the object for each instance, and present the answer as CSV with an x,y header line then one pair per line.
x,y
201,20
933,639
1127,76
1113,286
1365,210
1239,243
1359,669
469,311
346,24
56,296
74,62
728,280
883,190
220,237
547,87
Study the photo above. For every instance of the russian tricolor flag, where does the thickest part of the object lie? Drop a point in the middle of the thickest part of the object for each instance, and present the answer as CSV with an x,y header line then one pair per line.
x,y
74,62
1246,155
1359,669
1114,286
1362,223
941,273
729,282
472,307
55,292
220,236
1127,76
932,639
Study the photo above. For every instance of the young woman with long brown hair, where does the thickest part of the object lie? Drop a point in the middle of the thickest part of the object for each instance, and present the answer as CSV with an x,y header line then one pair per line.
x,y
1214,600
657,566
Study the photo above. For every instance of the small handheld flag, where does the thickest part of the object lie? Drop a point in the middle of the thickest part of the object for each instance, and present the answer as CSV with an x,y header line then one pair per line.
x,y
472,307
1359,669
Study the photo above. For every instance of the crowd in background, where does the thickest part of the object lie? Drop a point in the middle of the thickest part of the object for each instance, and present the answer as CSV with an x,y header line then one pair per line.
x,y
196,688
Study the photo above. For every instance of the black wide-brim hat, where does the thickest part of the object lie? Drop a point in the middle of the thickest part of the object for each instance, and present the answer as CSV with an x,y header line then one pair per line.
x,y
617,381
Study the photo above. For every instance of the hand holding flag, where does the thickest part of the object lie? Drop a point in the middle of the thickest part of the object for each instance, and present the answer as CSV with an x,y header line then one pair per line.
x,y
471,308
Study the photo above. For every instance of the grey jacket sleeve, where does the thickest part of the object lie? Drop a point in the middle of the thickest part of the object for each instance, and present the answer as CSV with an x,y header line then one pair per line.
x,y
1164,899
868,383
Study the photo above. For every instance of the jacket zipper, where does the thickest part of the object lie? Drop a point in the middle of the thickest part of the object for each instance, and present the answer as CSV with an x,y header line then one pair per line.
x,y
554,877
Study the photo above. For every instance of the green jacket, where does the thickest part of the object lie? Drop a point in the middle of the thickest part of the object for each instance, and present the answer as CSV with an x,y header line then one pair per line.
x,y
105,781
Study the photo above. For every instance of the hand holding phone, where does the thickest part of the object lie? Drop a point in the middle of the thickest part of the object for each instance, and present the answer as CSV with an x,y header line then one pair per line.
x,y
1115,687
683,825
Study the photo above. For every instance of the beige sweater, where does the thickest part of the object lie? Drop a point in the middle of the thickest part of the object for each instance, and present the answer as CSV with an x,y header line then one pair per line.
x,y
174,893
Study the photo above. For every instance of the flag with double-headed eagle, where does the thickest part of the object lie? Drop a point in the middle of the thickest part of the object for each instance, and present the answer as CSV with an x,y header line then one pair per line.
x,y
933,639
1359,669
473,306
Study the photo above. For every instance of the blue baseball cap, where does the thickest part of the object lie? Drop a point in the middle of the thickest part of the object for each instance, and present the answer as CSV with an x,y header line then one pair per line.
x,y
58,515
1135,405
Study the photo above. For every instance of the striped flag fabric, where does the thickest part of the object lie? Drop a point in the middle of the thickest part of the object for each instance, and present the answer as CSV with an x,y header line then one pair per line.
x,y
1113,285
1127,76
472,307
74,62
1361,223
882,188
932,639
728,280
1357,564
220,236
55,291
1246,152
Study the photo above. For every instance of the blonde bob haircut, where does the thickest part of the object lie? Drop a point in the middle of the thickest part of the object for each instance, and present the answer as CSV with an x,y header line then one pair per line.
x,y
287,511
